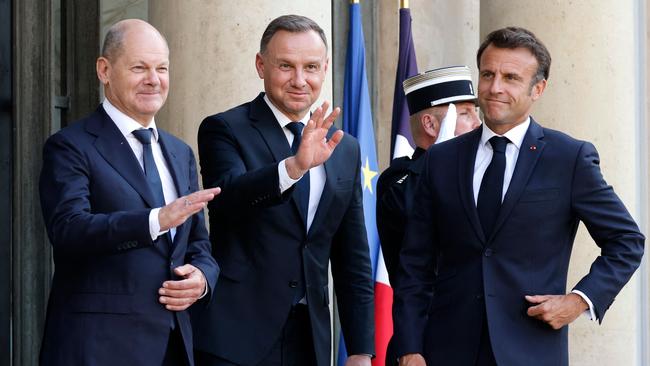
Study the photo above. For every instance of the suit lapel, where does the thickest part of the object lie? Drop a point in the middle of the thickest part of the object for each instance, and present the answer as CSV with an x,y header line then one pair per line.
x,y
114,148
466,160
271,132
331,179
528,157
181,180
269,128
170,152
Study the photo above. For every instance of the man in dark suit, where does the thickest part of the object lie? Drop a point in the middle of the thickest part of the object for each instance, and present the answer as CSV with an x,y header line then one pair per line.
x,y
291,202
483,267
124,215
441,105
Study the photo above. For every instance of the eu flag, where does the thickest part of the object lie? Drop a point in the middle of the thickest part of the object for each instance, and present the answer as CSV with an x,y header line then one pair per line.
x,y
357,121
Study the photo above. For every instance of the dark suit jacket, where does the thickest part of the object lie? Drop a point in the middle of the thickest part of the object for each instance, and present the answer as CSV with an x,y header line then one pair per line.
x,y
103,307
556,184
259,240
395,197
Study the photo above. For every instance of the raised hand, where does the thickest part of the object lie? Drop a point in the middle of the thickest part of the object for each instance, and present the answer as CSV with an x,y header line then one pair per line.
x,y
314,148
175,213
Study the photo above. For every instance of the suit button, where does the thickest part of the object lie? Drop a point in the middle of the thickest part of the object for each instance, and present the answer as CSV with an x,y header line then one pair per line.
x,y
293,284
479,297
171,263
488,252
304,245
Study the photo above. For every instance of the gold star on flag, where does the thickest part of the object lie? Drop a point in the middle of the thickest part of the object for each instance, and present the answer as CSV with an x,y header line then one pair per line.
x,y
368,174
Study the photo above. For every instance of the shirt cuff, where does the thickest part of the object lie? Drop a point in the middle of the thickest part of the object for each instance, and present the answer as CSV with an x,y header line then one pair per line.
x,y
205,292
285,180
589,313
154,224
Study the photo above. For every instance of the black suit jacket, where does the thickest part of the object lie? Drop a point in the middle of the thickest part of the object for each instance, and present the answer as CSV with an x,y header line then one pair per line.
x,y
103,307
556,184
395,196
259,240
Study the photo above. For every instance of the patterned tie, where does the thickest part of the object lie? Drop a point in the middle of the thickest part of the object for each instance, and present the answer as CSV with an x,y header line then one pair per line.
x,y
489,196
302,187
150,170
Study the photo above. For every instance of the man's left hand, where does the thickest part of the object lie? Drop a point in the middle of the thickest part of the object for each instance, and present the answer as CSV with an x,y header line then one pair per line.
x,y
556,310
179,295
358,360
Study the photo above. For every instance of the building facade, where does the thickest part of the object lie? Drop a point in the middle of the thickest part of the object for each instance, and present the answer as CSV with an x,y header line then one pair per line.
x,y
597,91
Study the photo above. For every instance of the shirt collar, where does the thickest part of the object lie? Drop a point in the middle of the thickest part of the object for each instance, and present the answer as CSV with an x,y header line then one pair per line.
x,y
124,123
280,117
515,135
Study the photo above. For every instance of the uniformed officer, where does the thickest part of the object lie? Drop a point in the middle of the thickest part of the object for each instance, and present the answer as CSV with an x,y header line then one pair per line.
x,y
442,105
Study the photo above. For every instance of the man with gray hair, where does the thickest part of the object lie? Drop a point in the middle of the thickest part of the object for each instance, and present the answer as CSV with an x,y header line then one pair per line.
x,y
291,202
124,216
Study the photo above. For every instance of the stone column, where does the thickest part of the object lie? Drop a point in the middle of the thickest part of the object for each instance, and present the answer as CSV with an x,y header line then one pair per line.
x,y
31,265
592,95
445,33
213,46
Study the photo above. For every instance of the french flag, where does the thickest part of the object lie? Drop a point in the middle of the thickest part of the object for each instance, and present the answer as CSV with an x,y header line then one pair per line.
x,y
401,140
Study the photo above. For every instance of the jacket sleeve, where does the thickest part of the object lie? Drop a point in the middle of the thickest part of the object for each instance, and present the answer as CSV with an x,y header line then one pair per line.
x,y
416,269
223,165
73,228
612,228
198,242
352,273
391,220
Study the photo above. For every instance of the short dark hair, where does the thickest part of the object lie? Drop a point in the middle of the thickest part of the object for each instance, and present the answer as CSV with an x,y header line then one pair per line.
x,y
290,23
515,37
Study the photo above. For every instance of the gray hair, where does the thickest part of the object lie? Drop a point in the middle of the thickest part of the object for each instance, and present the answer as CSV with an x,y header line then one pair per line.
x,y
114,39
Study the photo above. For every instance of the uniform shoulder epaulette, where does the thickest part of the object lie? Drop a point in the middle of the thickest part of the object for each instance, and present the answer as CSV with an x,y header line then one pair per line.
x,y
402,179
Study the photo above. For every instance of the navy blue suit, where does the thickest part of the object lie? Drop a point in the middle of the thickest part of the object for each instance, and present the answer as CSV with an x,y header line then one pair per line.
x,y
260,241
556,184
103,307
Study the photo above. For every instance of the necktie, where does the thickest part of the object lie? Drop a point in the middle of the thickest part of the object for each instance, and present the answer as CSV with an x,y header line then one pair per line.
x,y
491,191
150,170
302,194
302,187
155,184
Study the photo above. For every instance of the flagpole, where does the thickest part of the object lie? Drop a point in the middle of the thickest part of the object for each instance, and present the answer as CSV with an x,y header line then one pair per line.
x,y
404,4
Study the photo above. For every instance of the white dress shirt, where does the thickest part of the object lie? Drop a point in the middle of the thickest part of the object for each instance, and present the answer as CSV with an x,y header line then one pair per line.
x,y
127,125
316,174
484,156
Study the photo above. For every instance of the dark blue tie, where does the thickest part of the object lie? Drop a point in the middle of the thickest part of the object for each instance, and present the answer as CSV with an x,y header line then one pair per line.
x,y
150,170
155,184
302,187
489,196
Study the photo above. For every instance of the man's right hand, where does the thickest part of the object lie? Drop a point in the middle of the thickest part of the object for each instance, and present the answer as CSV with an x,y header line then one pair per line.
x,y
412,359
314,148
175,213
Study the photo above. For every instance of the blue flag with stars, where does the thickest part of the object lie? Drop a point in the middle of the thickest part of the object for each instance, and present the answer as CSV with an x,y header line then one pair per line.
x,y
357,121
